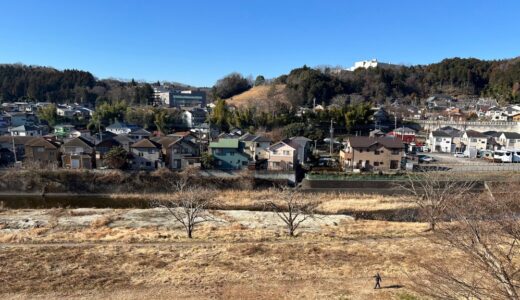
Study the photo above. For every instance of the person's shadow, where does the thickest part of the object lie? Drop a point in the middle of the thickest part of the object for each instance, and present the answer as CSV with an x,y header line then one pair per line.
x,y
395,286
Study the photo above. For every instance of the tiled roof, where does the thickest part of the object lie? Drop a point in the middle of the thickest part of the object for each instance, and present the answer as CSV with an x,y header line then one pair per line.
x,y
41,142
365,142
146,143
511,135
475,134
79,142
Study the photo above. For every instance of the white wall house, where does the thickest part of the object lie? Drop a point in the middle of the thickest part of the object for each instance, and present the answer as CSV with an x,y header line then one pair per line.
x,y
473,140
509,140
282,156
440,141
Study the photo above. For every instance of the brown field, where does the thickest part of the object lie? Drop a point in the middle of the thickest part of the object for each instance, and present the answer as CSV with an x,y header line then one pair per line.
x,y
330,203
258,97
136,254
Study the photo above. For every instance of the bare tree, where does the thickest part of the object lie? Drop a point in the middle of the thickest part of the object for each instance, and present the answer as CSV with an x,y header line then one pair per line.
x,y
293,208
433,191
188,207
486,234
179,181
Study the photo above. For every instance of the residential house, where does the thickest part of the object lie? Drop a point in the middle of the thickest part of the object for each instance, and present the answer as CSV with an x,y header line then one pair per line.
x,y
18,142
64,111
376,133
256,146
121,128
492,139
472,139
188,135
43,151
102,148
371,154
303,148
146,155
509,140
26,130
124,141
405,134
282,155
139,134
5,122
178,152
22,118
63,130
78,153
228,154
441,141
100,136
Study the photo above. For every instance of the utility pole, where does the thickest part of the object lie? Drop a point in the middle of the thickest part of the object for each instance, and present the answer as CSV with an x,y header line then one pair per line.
x,y
14,148
331,137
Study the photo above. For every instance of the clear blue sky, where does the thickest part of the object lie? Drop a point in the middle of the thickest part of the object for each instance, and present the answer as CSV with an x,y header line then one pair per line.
x,y
198,42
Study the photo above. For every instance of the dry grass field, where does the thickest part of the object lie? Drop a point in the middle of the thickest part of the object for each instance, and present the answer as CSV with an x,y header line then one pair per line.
x,y
330,203
259,97
142,253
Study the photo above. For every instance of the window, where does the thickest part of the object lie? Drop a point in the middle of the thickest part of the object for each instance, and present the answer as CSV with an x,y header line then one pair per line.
x,y
360,150
148,164
140,154
395,152
151,151
376,152
438,139
286,152
473,140
381,163
394,164
376,164
40,149
381,151
232,153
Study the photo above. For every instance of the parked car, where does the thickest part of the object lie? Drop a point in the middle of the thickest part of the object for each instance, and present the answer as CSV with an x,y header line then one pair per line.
x,y
426,159
459,154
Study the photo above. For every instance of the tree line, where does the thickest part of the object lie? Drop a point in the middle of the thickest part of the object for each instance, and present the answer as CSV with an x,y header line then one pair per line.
x,y
306,86
43,84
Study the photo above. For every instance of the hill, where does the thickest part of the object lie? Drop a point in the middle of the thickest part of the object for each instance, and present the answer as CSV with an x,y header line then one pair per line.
x,y
261,97
46,84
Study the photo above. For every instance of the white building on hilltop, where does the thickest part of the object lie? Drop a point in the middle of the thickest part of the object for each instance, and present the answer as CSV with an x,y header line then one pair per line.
x,y
365,64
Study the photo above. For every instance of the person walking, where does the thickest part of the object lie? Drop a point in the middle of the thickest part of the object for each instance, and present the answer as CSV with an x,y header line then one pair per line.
x,y
378,279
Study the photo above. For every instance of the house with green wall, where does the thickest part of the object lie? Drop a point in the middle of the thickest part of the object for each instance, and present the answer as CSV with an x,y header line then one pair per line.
x,y
228,154
63,130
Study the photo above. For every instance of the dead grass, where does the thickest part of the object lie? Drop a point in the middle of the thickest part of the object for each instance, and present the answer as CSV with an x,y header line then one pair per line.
x,y
331,203
259,97
293,269
104,221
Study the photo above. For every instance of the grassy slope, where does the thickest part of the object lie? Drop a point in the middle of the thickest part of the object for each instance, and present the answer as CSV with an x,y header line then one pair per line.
x,y
258,97
229,261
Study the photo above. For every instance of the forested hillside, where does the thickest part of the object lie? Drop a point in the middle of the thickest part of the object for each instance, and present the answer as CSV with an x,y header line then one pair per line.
x,y
455,76
19,82
500,79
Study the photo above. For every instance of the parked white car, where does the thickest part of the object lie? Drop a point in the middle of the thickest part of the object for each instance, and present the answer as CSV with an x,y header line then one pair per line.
x,y
460,154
